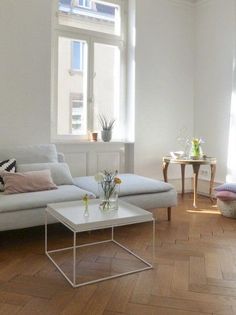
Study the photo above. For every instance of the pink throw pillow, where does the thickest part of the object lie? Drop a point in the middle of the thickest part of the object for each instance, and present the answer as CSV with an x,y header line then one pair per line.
x,y
27,182
226,195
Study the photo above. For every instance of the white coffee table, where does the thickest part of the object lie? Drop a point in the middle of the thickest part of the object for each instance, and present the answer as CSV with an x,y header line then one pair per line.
x,y
71,214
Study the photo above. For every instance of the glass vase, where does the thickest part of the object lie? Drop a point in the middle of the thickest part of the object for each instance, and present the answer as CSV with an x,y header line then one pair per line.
x,y
196,152
108,200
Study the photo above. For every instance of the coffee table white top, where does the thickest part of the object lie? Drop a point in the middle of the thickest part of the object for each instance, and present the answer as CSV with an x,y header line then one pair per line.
x,y
72,214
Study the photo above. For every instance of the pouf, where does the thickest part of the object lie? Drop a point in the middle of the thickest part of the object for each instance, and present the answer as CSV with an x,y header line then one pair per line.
x,y
227,208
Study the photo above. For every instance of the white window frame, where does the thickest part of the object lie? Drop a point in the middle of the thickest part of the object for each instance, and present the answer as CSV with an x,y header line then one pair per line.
x,y
90,37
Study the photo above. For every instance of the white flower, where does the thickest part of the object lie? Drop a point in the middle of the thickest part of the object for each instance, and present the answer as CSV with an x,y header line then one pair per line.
x,y
99,177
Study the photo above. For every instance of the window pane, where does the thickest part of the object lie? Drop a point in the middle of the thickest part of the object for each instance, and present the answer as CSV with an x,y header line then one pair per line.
x,y
72,87
77,56
91,15
106,83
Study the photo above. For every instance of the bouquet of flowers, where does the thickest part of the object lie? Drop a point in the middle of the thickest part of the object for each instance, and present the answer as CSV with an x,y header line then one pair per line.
x,y
196,150
108,182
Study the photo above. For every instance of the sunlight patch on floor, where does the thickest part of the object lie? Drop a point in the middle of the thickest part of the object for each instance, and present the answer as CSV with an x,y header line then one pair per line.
x,y
204,211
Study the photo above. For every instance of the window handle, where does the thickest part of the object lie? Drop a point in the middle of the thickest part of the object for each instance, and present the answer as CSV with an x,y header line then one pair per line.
x,y
91,100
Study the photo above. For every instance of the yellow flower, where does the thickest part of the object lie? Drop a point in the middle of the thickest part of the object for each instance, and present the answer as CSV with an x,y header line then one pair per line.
x,y
117,180
85,198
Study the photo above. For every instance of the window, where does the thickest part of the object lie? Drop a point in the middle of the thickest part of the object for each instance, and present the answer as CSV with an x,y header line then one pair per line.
x,y
77,56
72,72
89,68
83,3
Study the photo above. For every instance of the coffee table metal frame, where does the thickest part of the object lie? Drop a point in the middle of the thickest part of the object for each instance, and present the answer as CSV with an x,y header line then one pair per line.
x,y
75,246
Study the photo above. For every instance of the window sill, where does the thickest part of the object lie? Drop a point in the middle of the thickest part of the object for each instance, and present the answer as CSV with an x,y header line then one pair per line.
x,y
90,142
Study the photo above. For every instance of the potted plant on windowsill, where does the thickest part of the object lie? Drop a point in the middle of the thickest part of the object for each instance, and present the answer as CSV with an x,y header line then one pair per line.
x,y
107,126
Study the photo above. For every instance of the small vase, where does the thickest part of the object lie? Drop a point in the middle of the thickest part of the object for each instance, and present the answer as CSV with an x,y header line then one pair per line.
x,y
196,152
108,202
106,135
86,211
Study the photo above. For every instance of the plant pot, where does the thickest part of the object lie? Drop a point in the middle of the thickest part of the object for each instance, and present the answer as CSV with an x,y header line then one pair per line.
x,y
106,135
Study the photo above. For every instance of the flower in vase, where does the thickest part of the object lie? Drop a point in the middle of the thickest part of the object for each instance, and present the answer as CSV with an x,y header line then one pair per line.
x,y
85,201
117,180
108,182
196,150
99,177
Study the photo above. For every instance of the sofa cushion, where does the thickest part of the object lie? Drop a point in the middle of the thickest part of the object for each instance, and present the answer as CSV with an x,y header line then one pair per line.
x,y
60,171
9,166
40,199
227,186
15,183
152,201
226,195
40,153
131,185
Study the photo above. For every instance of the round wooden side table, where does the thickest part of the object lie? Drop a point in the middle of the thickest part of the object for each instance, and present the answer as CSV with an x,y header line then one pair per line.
x,y
211,161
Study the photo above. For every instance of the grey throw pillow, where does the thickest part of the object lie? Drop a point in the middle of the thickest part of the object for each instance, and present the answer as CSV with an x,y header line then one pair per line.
x,y
60,171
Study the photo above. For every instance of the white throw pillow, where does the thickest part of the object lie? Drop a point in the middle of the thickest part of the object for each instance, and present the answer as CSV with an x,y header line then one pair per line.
x,y
60,171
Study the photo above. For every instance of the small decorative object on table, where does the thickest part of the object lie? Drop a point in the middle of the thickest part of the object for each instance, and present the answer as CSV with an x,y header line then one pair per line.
x,y
86,201
177,154
108,184
196,149
94,136
107,126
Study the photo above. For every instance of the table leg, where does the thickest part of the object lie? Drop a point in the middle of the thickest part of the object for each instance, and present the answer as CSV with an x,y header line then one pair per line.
x,y
74,259
112,233
213,172
153,241
183,177
195,179
46,232
164,169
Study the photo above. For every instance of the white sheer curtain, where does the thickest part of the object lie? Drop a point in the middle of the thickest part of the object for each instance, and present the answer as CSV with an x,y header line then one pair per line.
x,y
231,165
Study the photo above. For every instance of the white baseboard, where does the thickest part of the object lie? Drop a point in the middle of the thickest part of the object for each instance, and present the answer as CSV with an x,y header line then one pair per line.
x,y
203,185
176,182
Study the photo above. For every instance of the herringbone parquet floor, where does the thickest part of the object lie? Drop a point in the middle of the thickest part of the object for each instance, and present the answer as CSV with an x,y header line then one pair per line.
x,y
195,269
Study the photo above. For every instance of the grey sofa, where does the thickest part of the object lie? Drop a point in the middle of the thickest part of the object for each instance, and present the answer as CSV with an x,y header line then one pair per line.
x,y
27,209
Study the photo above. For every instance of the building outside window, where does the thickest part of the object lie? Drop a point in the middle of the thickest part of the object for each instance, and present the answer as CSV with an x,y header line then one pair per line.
x,y
77,115
89,66
84,3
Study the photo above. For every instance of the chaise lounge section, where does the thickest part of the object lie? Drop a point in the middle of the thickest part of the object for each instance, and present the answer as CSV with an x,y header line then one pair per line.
x,y
143,192
27,209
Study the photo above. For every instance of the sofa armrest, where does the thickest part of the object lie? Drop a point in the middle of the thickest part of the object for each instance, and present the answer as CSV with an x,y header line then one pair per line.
x,y
61,157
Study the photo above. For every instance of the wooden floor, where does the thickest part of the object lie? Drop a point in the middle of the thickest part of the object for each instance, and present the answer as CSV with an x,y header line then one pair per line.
x,y
195,268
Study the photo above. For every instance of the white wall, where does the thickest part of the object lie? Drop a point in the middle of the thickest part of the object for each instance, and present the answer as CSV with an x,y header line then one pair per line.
x,y
167,58
214,49
25,71
164,81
